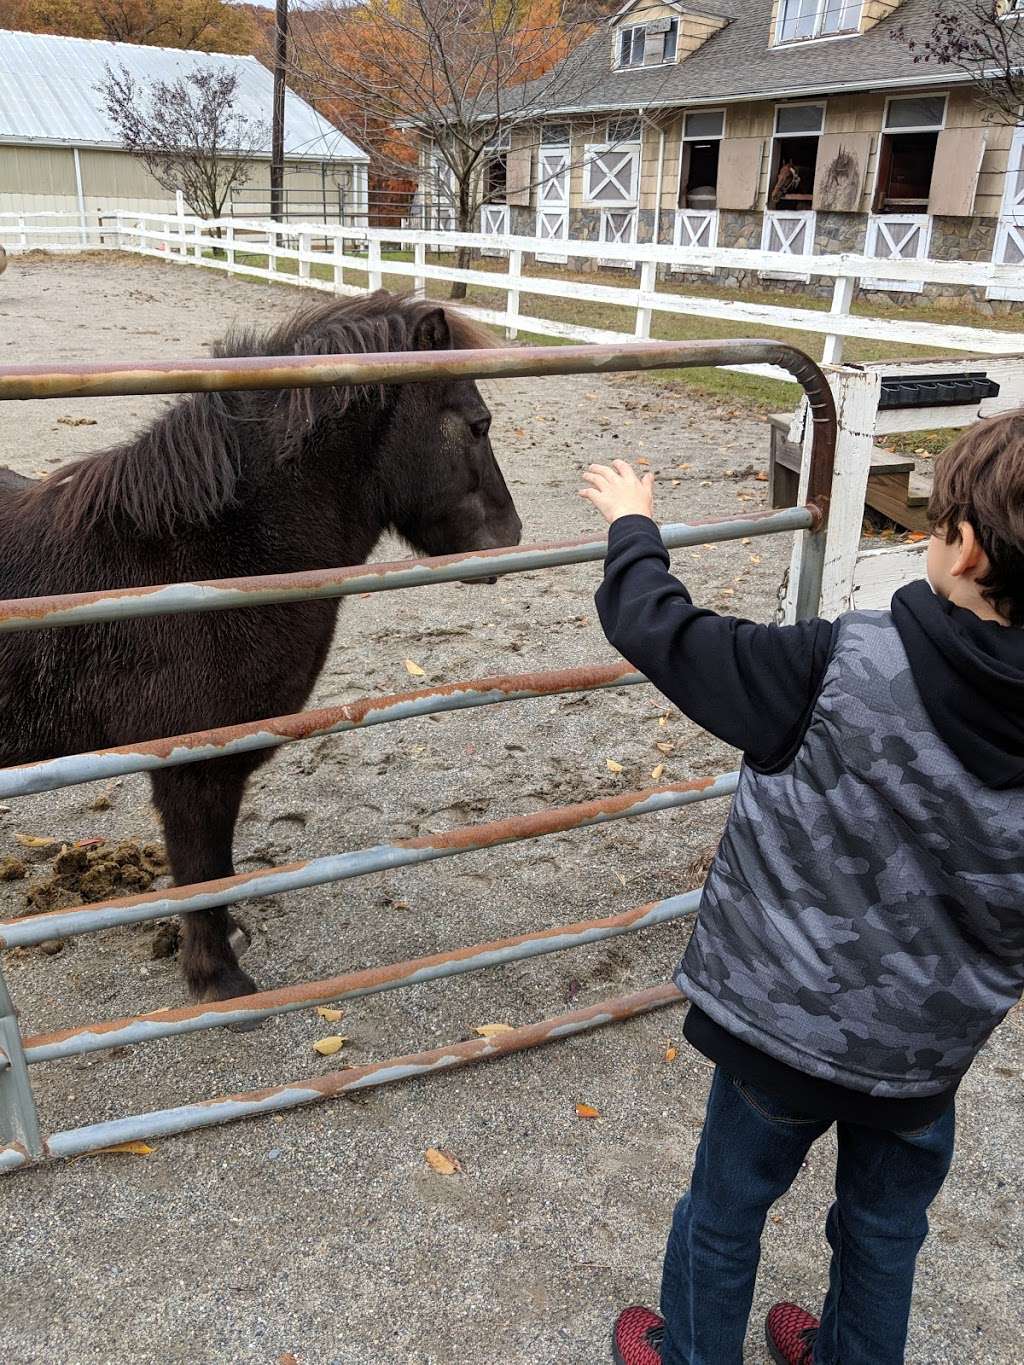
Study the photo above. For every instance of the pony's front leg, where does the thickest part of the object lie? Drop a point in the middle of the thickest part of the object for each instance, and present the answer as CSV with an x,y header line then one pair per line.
x,y
199,806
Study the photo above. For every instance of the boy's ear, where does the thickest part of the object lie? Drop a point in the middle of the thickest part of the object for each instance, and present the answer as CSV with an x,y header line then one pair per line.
x,y
970,556
432,332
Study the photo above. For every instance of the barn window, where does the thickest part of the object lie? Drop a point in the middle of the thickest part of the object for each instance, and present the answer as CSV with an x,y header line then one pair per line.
x,y
803,20
798,129
652,44
701,152
906,158
496,166
554,135
631,46
622,130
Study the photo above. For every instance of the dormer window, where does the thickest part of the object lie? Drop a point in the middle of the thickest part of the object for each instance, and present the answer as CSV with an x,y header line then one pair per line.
x,y
651,44
804,20
631,46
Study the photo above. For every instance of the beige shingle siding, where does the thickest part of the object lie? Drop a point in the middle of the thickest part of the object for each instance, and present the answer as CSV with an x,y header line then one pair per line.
x,y
875,11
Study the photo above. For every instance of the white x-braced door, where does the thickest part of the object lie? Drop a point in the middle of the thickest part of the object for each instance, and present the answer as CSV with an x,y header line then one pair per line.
x,y
695,228
1009,248
612,176
788,234
618,226
553,200
495,221
898,237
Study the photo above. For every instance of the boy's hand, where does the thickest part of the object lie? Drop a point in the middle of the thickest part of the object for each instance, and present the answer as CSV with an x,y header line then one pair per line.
x,y
617,492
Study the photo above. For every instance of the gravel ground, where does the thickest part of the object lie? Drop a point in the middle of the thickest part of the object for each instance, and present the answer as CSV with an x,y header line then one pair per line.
x,y
322,1234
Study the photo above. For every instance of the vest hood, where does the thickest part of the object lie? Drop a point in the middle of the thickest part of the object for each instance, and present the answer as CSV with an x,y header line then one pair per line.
x,y
970,675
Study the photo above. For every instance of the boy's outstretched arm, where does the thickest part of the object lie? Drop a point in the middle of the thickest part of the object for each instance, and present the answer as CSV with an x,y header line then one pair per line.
x,y
752,686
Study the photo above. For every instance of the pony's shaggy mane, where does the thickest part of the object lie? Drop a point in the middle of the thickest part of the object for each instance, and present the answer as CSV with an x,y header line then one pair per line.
x,y
186,468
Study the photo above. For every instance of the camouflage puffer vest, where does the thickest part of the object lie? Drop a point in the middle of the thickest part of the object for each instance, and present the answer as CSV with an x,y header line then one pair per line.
x,y
864,918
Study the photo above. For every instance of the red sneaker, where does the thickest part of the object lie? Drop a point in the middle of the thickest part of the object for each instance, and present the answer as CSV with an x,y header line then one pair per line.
x,y
790,1332
637,1337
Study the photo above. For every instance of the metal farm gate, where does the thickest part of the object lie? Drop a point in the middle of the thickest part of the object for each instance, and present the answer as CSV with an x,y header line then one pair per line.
x,y
21,1140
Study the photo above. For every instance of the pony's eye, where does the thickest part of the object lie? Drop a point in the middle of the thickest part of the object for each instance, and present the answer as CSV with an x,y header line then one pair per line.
x,y
480,428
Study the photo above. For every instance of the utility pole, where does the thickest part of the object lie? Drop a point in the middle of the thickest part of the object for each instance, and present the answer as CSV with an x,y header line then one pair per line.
x,y
277,132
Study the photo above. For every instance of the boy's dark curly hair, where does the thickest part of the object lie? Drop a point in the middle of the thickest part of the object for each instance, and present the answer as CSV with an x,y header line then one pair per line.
x,y
980,480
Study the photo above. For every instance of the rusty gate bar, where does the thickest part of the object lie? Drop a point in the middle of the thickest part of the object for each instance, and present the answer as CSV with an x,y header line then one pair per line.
x,y
127,759
252,1009
424,848
171,599
206,1113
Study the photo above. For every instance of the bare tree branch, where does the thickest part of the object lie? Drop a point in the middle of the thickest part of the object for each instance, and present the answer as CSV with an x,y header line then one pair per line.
x,y
983,39
187,133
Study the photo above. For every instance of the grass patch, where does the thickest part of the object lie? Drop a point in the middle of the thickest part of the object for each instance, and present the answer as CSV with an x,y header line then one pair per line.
x,y
922,442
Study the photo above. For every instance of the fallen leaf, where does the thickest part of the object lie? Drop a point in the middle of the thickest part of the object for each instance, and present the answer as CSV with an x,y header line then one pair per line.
x,y
665,747
659,772
493,1030
586,1111
761,476
641,460
755,559
327,1047
663,721
613,767
916,536
415,669
620,878
331,1015
132,1148
671,1053
34,840
676,483
444,1163
288,1359
518,431
76,421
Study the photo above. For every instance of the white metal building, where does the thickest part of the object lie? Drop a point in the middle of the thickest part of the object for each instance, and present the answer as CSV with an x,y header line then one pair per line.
x,y
59,153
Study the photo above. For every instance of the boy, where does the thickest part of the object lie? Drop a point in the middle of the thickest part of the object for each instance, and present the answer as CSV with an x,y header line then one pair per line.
x,y
861,931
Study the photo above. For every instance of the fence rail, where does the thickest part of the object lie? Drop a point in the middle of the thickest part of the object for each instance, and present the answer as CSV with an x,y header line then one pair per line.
x,y
19,1123
224,244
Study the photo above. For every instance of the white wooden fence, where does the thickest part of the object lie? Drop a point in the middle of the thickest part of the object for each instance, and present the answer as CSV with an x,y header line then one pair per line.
x,y
350,260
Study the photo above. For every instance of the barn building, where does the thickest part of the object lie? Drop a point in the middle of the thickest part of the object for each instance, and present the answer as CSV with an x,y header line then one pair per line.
x,y
59,153
796,127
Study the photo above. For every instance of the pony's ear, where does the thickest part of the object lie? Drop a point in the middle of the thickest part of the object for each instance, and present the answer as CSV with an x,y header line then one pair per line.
x,y
432,332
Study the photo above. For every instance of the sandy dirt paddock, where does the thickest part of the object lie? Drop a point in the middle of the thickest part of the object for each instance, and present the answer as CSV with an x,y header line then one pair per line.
x,y
323,1234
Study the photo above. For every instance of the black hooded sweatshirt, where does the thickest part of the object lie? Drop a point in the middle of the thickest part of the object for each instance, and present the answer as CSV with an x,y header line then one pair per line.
x,y
755,687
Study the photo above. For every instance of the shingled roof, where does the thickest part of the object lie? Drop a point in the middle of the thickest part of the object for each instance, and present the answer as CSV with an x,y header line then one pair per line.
x,y
739,63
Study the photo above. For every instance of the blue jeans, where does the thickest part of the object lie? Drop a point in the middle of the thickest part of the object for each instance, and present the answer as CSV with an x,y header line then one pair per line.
x,y
750,1152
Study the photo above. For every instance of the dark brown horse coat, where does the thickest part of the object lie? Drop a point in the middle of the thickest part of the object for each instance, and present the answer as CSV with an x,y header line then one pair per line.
x,y
221,486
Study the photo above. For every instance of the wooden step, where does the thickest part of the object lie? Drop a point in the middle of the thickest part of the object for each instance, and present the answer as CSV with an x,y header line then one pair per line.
x,y
788,453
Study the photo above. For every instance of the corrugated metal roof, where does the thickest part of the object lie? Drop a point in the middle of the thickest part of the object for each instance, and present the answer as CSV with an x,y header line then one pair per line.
x,y
48,94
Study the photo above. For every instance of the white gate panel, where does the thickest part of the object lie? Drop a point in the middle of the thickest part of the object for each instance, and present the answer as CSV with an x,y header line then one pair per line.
x,y
788,234
900,237
618,226
495,220
695,227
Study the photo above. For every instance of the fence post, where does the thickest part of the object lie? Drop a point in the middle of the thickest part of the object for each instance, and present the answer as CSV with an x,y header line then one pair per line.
x,y
642,330
197,249
515,272
339,268
419,284
272,250
179,209
305,246
229,246
23,239
373,253
19,1121
842,299
822,570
